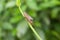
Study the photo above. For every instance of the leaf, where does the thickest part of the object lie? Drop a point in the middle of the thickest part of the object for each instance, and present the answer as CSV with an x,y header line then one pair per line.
x,y
18,2
0,32
56,34
15,19
32,4
46,0
22,28
10,4
57,27
1,7
46,20
14,31
32,13
48,4
54,13
24,7
37,24
7,26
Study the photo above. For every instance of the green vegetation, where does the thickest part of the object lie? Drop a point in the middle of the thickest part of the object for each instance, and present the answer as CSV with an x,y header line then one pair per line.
x,y
45,14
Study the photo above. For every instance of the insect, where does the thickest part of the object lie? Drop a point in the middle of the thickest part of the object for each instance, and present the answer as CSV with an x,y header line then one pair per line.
x,y
28,17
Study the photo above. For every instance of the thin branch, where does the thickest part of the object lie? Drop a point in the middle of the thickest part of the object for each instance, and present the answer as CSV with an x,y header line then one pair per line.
x,y
30,25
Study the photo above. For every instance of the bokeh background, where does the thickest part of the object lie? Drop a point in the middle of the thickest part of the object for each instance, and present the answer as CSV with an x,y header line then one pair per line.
x,y
45,14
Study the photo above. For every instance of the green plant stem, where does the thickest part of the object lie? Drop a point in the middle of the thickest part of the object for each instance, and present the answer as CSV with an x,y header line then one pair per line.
x,y
21,11
31,26
34,31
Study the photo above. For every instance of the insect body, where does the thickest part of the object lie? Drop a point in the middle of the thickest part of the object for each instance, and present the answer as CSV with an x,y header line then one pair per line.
x,y
28,17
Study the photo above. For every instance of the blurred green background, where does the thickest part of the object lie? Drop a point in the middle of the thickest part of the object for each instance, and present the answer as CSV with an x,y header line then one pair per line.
x,y
46,15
